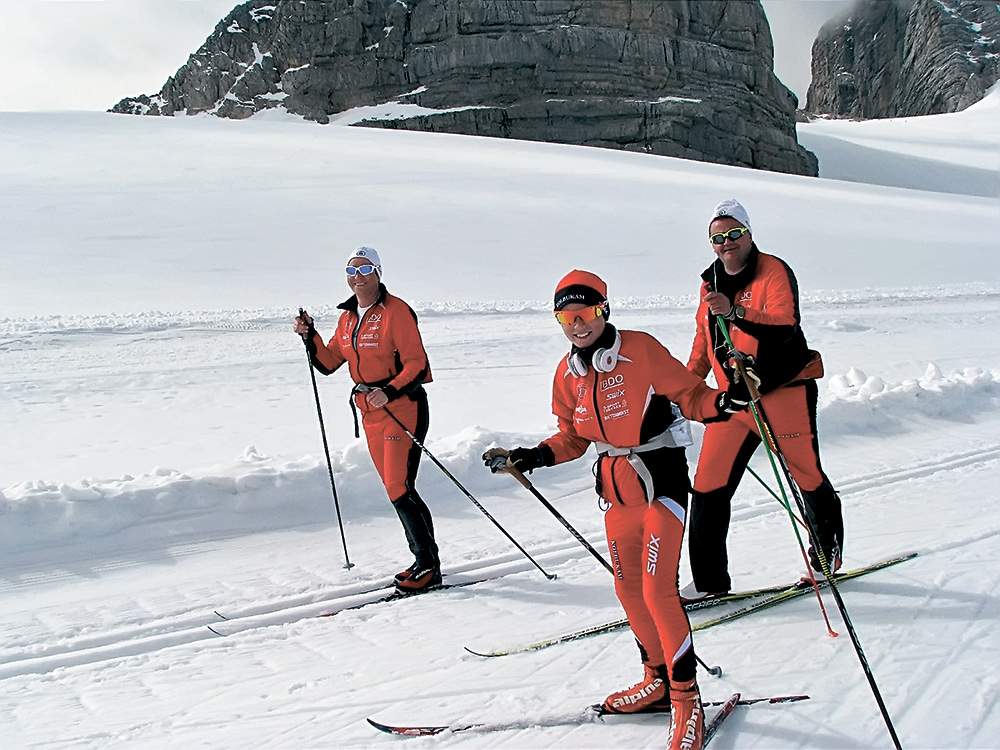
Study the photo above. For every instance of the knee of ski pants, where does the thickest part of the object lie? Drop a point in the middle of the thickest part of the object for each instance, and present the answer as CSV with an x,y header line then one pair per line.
x,y
645,543
723,446
394,454
726,446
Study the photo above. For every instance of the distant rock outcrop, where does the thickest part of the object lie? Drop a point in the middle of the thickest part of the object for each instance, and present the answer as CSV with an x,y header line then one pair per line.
x,y
899,58
679,78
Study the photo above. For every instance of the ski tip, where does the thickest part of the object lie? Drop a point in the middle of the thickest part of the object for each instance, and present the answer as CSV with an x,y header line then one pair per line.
x,y
408,731
379,727
479,653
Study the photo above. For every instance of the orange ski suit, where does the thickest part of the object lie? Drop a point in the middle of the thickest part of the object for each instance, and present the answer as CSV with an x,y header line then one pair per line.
x,y
642,474
383,350
770,331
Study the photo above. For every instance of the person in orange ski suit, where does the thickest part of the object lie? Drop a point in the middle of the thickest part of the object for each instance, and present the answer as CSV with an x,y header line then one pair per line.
x,y
623,392
378,338
757,295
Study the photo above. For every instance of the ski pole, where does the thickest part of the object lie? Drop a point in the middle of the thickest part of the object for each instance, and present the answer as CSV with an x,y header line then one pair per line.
x,y
770,443
773,453
326,449
468,494
500,463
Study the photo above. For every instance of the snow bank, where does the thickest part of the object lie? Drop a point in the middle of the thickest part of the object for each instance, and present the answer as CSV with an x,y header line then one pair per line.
x,y
258,493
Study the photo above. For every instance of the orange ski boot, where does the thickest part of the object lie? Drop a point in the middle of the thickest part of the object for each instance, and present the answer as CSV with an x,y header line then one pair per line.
x,y
687,723
652,695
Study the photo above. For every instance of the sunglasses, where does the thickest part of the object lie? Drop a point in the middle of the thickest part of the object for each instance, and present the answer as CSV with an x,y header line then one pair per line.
x,y
733,234
587,314
365,270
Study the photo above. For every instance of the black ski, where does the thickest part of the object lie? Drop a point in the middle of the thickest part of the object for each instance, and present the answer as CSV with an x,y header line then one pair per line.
x,y
767,597
588,715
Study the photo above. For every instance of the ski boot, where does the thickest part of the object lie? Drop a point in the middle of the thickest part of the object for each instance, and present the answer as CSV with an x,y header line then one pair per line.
x,y
652,695
687,721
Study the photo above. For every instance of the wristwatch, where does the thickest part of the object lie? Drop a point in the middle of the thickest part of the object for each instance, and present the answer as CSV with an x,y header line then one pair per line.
x,y
739,311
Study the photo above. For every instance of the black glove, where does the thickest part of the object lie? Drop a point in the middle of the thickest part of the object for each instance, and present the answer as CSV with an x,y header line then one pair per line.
x,y
526,459
307,319
734,400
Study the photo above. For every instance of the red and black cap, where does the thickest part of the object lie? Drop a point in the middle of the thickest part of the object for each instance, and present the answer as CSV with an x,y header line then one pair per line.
x,y
580,287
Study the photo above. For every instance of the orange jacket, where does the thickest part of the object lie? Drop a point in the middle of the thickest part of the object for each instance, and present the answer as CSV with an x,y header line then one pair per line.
x,y
621,407
383,349
770,330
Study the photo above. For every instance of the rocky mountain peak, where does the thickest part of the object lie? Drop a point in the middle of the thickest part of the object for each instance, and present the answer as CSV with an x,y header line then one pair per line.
x,y
899,58
678,78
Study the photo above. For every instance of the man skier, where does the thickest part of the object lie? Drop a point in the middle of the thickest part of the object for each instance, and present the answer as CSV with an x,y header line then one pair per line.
x,y
758,297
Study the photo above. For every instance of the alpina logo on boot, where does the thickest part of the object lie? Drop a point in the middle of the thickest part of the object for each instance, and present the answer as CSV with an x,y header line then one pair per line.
x,y
627,700
691,729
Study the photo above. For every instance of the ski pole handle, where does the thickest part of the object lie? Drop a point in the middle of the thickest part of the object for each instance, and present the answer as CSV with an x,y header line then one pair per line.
x,y
751,383
738,363
501,464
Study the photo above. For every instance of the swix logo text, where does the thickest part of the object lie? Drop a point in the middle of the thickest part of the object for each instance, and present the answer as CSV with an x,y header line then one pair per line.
x,y
653,550
616,394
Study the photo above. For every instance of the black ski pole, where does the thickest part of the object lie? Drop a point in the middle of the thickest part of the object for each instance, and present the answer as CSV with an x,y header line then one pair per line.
x,y
468,494
326,449
771,445
500,463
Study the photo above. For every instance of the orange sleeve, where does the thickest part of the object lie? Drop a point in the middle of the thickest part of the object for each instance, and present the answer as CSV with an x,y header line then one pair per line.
x,y
565,444
410,347
700,359
682,386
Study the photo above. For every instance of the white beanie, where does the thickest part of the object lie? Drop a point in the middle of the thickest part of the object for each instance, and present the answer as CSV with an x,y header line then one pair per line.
x,y
734,210
369,254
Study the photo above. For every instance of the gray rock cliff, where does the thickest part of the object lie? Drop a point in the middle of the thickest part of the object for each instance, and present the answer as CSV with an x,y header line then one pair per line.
x,y
899,58
670,77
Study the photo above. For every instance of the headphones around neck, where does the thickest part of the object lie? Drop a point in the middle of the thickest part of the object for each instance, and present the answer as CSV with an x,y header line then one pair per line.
x,y
604,360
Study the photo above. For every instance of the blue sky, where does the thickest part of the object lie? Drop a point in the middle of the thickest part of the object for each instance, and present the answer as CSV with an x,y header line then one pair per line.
x,y
89,54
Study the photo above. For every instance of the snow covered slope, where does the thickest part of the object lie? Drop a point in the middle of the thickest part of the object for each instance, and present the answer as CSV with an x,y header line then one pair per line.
x,y
161,458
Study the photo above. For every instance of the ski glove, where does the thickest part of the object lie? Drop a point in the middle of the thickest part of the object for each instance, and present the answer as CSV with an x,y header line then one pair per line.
x,y
736,399
522,459
526,459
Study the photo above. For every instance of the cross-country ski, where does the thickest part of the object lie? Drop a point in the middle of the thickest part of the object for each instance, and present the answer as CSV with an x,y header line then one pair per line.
x,y
763,598
588,715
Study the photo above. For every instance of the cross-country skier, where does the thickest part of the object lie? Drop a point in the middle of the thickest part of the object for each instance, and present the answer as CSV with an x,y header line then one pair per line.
x,y
378,338
758,296
625,393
